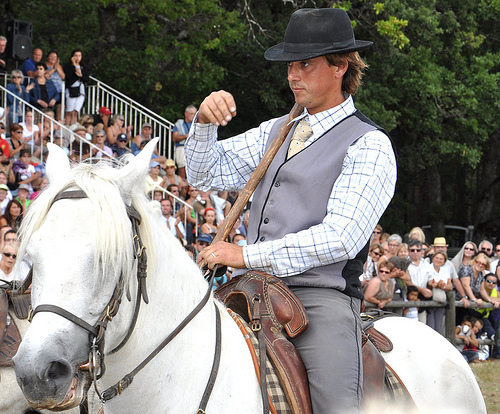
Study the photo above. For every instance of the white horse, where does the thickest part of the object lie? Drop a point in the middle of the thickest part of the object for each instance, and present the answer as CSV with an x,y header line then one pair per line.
x,y
82,248
12,400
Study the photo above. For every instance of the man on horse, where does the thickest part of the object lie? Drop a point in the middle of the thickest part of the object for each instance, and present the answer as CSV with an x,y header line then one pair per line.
x,y
314,210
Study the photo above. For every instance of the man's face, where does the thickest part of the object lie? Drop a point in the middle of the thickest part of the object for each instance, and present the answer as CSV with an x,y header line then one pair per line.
x,y
2,45
485,247
174,190
415,253
189,114
443,249
10,238
497,250
201,245
314,83
166,208
37,55
146,132
3,194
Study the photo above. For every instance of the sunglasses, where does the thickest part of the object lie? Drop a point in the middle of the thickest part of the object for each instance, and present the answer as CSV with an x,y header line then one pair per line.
x,y
202,243
482,264
377,253
376,232
415,250
14,256
491,281
384,272
469,248
16,77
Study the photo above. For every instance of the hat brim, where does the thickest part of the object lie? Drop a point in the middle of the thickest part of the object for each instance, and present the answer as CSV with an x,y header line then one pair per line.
x,y
278,54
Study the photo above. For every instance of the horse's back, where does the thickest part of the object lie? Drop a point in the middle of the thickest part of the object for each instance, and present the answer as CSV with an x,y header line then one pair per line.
x,y
435,373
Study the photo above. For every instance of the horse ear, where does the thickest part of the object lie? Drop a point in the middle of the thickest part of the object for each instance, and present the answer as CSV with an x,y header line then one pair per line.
x,y
134,173
57,163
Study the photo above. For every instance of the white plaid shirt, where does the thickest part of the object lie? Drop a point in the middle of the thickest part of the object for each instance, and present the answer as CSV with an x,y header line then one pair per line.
x,y
359,196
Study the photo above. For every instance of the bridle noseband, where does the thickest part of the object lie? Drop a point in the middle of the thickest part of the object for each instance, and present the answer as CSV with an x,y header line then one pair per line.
x,y
95,365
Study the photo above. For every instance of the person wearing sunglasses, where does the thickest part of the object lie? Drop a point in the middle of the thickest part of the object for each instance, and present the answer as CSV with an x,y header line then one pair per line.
x,y
491,317
18,94
376,252
494,259
381,288
465,255
9,256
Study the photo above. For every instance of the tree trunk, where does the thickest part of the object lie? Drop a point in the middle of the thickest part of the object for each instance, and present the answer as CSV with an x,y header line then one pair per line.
x,y
435,204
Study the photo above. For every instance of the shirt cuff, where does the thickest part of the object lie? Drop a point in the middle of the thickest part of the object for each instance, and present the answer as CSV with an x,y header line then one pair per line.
x,y
256,257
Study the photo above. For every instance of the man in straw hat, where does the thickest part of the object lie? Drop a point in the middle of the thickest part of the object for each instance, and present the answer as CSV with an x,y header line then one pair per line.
x,y
314,210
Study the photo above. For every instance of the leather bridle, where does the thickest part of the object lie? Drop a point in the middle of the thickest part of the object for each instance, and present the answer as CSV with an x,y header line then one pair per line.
x,y
95,365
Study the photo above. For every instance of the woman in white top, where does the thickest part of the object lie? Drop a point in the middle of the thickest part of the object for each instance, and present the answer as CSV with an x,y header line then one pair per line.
x,y
9,256
31,131
439,282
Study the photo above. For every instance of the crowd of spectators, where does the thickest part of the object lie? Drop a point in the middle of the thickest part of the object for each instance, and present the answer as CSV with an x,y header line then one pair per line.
x,y
424,272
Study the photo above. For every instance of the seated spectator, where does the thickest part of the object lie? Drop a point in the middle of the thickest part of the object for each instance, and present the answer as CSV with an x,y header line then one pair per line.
x,y
201,242
5,163
3,232
465,332
207,199
439,282
43,185
153,179
101,119
210,226
172,178
87,122
465,255
13,215
23,194
55,73
412,296
145,135
381,288
29,65
5,181
14,104
187,214
120,146
104,151
24,172
174,198
239,239
3,55
61,141
31,133
47,127
80,148
9,256
44,93
116,128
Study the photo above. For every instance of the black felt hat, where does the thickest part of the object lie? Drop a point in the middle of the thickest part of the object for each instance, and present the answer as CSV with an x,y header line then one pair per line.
x,y
316,32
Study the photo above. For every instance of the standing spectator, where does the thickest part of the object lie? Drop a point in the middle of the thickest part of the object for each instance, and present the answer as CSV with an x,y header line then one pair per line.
x,y
465,255
3,55
491,317
179,135
377,232
393,243
174,224
439,282
417,233
44,93
353,183
145,135
418,271
210,226
55,73
76,75
14,104
494,259
172,178
486,247
412,296
29,65
381,288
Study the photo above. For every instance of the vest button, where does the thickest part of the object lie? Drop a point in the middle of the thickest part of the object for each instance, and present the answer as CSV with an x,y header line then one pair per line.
x,y
266,220
262,238
277,184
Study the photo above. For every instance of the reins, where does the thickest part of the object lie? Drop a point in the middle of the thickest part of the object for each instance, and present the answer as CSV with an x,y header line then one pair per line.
x,y
97,331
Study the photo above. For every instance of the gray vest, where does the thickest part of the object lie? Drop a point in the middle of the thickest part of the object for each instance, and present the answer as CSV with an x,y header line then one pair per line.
x,y
293,196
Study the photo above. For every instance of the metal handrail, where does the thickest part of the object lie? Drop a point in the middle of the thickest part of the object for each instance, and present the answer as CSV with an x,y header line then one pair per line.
x,y
101,94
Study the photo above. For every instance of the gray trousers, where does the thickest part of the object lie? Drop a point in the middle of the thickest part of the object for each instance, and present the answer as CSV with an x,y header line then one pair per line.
x,y
331,350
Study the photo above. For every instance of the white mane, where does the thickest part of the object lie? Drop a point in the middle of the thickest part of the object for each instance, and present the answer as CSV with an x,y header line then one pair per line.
x,y
113,241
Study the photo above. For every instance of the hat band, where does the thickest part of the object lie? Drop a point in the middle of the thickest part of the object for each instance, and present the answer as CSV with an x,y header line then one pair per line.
x,y
317,47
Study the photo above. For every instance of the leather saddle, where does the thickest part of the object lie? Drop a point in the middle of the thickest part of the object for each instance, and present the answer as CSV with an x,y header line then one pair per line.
x,y
265,302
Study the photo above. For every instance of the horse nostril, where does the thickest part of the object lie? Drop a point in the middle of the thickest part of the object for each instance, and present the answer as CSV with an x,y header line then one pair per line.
x,y
57,370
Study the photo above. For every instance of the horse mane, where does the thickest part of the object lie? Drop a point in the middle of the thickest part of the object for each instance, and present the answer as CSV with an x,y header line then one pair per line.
x,y
113,242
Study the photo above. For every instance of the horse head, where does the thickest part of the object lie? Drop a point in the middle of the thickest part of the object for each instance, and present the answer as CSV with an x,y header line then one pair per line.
x,y
78,237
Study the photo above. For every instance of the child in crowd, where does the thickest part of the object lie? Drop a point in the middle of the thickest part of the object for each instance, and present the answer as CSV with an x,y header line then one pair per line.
x,y
4,191
412,295
466,333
